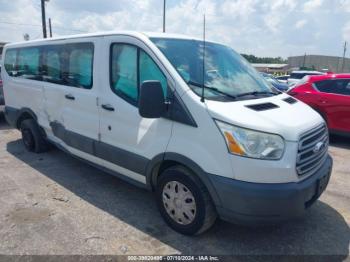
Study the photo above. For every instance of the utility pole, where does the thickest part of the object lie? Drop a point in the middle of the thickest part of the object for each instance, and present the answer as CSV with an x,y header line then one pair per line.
x,y
50,27
164,7
304,60
43,17
343,63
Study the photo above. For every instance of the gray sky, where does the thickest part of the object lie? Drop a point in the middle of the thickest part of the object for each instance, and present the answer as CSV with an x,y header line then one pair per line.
x,y
260,27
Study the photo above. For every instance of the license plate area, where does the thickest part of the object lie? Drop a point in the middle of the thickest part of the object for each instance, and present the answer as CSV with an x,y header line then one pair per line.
x,y
320,186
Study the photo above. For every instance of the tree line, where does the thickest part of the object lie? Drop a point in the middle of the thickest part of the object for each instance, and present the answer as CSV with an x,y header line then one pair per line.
x,y
264,60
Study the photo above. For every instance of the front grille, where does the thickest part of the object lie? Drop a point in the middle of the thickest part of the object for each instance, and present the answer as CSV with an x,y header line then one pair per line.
x,y
312,150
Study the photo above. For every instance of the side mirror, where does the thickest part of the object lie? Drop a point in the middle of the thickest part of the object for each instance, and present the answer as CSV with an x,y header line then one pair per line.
x,y
151,100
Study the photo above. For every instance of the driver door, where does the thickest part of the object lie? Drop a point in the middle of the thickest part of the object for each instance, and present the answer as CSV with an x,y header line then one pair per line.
x,y
127,140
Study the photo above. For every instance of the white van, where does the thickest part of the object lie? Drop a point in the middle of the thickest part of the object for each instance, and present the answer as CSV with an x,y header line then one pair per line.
x,y
209,136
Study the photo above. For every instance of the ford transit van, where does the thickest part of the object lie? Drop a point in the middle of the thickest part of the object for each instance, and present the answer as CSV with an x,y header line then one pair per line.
x,y
191,121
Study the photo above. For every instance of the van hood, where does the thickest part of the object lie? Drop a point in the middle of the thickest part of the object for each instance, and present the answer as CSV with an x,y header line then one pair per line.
x,y
289,120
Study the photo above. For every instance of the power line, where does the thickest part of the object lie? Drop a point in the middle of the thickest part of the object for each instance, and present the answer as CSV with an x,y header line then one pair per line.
x,y
11,23
35,25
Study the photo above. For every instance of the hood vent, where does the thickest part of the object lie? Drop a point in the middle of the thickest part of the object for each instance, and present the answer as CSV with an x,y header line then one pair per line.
x,y
290,100
262,107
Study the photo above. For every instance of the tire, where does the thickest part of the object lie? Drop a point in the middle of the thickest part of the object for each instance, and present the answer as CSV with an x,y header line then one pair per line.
x,y
189,210
33,139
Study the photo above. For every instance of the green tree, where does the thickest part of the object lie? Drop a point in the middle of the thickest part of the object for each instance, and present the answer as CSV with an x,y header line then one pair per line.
x,y
264,60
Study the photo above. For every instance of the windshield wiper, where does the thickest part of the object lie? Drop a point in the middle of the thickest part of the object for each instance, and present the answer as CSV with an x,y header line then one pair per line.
x,y
256,93
211,88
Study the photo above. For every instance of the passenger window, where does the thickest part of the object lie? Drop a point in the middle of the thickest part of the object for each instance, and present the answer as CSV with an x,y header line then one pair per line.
x,y
10,61
52,65
324,86
347,88
339,86
28,63
342,87
80,66
124,71
150,71
70,64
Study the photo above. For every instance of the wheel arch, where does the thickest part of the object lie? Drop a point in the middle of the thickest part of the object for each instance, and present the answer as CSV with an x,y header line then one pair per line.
x,y
23,114
168,159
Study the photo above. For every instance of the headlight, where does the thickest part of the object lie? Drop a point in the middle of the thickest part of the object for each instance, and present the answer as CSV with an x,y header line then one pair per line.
x,y
249,143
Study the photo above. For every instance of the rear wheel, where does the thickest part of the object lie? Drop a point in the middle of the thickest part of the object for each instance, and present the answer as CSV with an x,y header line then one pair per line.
x,y
32,137
184,201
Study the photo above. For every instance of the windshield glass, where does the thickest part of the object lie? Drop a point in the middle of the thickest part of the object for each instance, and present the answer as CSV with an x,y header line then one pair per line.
x,y
270,79
226,73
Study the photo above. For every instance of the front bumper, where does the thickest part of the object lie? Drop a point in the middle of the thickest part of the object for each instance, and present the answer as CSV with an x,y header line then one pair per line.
x,y
258,203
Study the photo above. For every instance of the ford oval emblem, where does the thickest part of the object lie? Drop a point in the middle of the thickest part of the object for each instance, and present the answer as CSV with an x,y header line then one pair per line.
x,y
318,147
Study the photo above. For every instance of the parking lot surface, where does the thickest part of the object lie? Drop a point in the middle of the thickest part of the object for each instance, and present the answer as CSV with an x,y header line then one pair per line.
x,y
53,203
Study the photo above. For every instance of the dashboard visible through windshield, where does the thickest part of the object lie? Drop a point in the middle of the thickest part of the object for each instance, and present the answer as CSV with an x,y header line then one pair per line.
x,y
226,76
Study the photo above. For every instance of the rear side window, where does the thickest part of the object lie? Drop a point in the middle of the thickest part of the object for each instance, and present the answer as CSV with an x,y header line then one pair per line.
x,y
80,65
10,61
28,63
130,67
67,64
52,66
70,64
338,86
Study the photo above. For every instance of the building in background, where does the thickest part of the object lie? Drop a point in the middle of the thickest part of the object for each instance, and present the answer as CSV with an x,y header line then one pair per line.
x,y
276,69
320,63
1,47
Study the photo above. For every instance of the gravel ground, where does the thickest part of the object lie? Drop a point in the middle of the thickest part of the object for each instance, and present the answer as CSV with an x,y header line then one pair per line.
x,y
54,204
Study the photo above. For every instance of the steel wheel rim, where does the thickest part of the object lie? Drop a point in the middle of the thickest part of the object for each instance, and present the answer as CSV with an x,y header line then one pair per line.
x,y
179,202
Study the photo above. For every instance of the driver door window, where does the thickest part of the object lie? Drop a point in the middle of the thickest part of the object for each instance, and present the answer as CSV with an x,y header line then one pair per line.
x,y
150,71
130,67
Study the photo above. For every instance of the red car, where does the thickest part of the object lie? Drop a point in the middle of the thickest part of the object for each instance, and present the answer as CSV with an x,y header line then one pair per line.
x,y
330,96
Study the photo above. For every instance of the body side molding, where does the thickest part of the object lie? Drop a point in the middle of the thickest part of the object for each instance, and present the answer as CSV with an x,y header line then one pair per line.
x,y
115,155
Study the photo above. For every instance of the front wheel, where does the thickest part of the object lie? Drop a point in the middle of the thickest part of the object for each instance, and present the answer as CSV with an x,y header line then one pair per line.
x,y
184,201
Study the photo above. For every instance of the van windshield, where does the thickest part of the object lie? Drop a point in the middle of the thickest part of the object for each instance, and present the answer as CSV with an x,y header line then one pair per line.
x,y
227,75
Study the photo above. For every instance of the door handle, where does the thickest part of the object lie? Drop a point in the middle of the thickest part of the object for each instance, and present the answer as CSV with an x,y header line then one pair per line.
x,y
70,97
107,107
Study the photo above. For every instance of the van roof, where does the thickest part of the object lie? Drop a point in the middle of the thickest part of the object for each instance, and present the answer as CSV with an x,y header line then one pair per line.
x,y
109,33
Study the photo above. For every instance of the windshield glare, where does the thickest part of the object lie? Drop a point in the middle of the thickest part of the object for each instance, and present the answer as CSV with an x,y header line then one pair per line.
x,y
225,70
